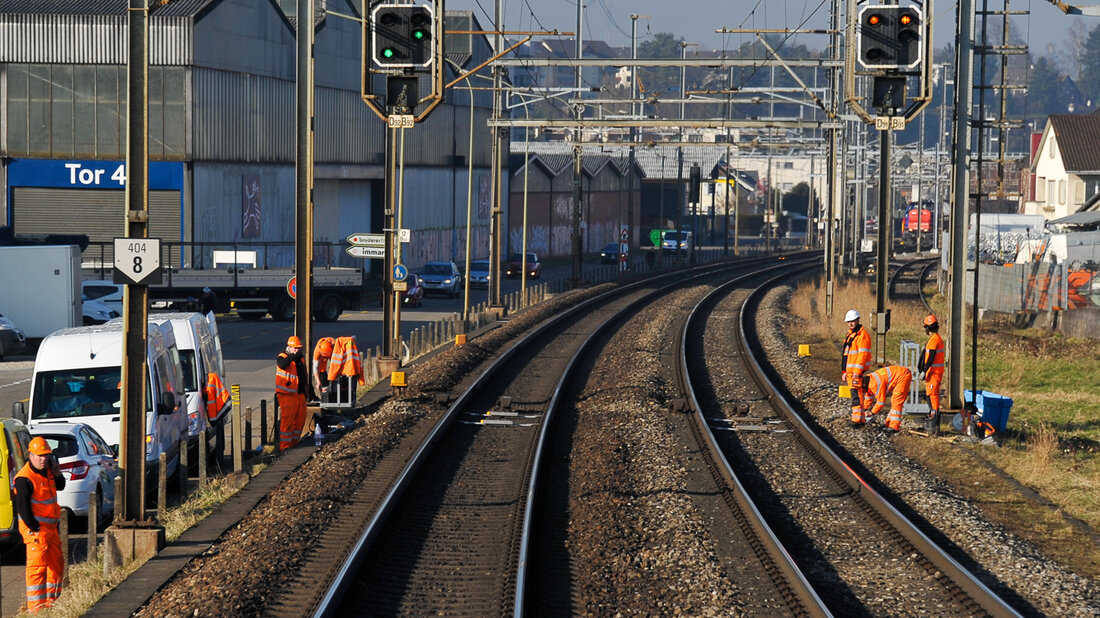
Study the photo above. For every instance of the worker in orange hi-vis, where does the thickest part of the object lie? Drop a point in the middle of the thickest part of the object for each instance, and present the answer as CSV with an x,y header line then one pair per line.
x,y
856,360
35,501
322,355
931,367
291,385
891,381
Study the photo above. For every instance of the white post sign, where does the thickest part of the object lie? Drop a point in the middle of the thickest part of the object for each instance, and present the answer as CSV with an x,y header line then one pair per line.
x,y
137,261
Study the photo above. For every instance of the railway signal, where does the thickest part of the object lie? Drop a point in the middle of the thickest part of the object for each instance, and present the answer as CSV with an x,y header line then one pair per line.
x,y
891,37
402,36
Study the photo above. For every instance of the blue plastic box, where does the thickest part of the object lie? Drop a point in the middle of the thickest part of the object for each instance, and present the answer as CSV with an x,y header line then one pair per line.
x,y
993,407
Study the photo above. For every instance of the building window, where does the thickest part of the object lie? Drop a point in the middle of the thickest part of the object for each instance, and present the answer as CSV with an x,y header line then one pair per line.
x,y
1053,149
1078,192
1051,187
1040,189
1061,192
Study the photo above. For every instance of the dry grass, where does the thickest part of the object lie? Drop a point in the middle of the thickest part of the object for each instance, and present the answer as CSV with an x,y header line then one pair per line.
x,y
1052,444
87,582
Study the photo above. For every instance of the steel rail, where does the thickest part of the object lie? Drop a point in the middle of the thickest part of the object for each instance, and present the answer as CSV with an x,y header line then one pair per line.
x,y
984,600
801,596
333,594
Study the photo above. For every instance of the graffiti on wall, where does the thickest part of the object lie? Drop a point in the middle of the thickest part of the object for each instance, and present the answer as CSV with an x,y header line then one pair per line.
x,y
250,206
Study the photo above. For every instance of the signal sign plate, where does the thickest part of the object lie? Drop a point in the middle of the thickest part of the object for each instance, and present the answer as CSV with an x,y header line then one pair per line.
x,y
360,251
137,261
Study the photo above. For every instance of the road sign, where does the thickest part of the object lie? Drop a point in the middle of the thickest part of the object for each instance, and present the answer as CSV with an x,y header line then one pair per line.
x,y
400,286
368,240
404,235
624,233
361,251
292,287
400,273
137,261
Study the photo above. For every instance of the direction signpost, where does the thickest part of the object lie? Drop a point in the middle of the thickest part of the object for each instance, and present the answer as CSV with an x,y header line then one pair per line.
x,y
361,251
365,245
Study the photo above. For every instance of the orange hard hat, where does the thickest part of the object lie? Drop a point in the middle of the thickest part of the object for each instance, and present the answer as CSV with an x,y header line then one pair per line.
x,y
39,446
930,320
294,342
324,346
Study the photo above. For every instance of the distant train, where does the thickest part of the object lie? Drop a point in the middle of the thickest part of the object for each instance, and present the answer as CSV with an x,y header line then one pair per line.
x,y
917,218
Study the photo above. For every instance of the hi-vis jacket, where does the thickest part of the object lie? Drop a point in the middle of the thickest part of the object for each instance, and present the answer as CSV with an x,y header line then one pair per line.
x,y
286,380
345,360
216,395
42,500
931,362
857,352
890,379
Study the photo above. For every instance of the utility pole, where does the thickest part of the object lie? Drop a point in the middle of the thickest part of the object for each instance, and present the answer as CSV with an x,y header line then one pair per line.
x,y
495,233
961,197
303,173
577,167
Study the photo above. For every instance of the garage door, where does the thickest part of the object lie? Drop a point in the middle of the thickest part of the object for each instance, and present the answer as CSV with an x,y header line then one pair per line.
x,y
98,213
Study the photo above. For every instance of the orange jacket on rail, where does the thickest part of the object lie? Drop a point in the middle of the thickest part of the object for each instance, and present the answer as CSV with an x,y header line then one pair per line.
x,y
345,360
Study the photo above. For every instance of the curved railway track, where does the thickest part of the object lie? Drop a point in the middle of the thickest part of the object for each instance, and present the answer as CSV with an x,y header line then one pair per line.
x,y
858,551
907,281
443,537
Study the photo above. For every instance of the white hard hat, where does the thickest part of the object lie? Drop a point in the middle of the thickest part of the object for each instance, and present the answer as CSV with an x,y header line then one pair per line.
x,y
206,290
851,315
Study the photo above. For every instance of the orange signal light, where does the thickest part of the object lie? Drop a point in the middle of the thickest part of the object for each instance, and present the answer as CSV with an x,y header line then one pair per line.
x,y
874,19
906,20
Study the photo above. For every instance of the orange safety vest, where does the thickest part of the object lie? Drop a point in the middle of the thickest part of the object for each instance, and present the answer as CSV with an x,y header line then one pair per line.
x,y
43,499
883,382
345,360
857,349
321,360
936,347
216,395
286,380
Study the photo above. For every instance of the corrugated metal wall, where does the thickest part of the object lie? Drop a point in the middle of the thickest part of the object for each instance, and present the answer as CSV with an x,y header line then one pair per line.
x,y
90,39
241,117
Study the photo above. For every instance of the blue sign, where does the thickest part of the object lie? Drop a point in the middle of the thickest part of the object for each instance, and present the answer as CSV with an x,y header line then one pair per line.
x,y
89,174
400,273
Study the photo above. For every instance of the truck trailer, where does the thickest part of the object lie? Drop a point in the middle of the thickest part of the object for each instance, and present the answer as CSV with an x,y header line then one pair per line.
x,y
40,288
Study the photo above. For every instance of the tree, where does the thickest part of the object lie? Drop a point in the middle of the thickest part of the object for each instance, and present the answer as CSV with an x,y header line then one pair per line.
x,y
1089,56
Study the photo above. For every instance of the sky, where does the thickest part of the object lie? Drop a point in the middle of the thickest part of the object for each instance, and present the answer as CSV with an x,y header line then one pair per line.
x,y
696,20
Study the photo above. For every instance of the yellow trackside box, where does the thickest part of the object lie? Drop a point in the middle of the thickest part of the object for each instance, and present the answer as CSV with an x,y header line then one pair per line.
x,y
397,379
845,391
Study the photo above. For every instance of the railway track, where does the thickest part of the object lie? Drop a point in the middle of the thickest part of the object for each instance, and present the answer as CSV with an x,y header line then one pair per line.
x,y
907,281
447,535
859,553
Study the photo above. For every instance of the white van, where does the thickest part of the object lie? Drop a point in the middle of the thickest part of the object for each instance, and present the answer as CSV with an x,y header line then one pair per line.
x,y
200,351
78,378
673,241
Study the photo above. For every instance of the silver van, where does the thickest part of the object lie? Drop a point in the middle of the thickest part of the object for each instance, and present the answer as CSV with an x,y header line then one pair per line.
x,y
200,351
78,379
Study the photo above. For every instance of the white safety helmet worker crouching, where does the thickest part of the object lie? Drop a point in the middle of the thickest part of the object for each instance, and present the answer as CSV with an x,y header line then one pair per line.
x,y
851,315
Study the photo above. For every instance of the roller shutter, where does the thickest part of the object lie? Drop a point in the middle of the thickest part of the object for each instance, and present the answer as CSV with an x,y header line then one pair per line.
x,y
99,213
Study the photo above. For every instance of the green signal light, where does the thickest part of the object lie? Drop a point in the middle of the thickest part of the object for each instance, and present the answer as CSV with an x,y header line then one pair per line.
x,y
419,34
388,53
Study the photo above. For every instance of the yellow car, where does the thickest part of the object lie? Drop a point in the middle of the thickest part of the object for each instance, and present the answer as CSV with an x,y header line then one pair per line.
x,y
13,454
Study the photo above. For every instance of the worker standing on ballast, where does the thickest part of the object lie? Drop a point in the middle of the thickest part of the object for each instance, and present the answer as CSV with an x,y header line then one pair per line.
x,y
291,385
891,381
931,367
856,360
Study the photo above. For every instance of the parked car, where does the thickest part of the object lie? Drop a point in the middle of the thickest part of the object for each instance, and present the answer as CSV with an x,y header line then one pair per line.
x,y
441,277
97,312
88,464
13,454
12,339
610,253
515,266
479,273
413,296
107,292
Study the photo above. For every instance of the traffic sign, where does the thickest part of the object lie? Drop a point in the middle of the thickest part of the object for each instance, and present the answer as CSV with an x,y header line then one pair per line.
x,y
137,261
368,240
361,251
400,273
292,287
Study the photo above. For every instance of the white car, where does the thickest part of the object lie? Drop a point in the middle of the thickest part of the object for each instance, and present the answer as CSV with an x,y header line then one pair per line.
x,y
12,339
96,312
107,292
88,464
